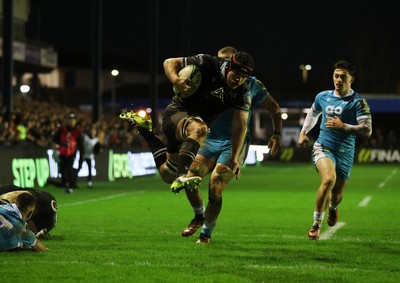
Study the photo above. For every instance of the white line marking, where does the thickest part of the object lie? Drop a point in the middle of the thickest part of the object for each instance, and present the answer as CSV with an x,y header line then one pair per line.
x,y
382,184
100,199
327,234
365,201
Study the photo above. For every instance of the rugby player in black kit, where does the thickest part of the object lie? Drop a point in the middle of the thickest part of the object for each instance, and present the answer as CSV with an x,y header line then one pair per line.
x,y
187,118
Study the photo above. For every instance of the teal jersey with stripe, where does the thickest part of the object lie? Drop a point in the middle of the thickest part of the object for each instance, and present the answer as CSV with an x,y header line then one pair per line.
x,y
350,109
13,232
221,129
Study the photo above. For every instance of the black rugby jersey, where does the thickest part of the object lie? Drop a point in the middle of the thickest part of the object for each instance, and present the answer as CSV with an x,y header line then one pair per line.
x,y
213,95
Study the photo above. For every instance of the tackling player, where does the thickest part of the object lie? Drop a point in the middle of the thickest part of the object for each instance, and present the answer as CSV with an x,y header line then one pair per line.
x,y
214,155
345,114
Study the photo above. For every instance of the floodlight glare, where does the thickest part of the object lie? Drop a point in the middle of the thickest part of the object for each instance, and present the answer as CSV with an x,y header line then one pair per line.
x,y
24,88
142,113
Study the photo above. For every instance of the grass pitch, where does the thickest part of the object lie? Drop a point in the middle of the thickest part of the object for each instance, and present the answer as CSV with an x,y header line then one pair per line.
x,y
129,231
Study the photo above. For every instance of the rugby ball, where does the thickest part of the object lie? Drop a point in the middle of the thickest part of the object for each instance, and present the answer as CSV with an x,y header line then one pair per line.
x,y
193,75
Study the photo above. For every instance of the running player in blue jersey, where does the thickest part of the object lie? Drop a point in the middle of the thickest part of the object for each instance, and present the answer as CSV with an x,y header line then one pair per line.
x,y
186,119
13,232
345,115
214,155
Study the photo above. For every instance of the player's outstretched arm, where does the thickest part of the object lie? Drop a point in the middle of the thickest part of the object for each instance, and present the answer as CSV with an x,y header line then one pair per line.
x,y
239,129
309,122
40,247
272,106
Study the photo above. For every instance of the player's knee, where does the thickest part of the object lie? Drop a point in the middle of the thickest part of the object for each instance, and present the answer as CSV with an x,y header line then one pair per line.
x,y
167,175
198,130
328,181
198,168
224,173
202,130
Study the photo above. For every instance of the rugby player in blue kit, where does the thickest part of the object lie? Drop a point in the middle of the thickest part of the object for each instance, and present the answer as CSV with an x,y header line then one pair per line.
x,y
213,156
345,115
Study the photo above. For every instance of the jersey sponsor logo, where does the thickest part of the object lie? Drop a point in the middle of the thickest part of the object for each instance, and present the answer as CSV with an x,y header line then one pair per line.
x,y
218,93
333,110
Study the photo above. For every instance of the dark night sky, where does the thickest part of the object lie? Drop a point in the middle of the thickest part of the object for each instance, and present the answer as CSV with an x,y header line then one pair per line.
x,y
280,35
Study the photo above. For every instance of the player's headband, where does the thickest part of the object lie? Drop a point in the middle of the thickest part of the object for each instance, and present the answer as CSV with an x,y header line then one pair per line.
x,y
243,68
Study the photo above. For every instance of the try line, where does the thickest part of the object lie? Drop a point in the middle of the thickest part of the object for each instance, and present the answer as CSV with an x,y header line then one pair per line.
x,y
99,199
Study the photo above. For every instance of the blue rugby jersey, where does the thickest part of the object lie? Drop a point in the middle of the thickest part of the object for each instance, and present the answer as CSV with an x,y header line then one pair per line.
x,y
350,109
13,232
221,129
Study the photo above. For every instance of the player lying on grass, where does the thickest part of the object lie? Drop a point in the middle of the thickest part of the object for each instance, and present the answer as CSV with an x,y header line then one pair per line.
x,y
14,235
44,217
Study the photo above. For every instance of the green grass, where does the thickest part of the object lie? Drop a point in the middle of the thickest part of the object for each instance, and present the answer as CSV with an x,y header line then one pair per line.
x,y
129,231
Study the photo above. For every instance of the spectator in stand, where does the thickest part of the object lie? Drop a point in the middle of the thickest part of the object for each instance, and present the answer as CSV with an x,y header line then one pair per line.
x,y
377,139
392,140
67,140
2,130
91,146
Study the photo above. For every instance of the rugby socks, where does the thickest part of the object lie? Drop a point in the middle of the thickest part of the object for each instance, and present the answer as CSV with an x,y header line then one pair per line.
x,y
160,157
199,212
332,207
171,166
187,153
318,217
208,227
157,147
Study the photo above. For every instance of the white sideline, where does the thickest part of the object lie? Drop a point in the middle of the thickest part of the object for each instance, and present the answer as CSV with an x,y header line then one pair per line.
x,y
327,234
99,199
382,184
365,201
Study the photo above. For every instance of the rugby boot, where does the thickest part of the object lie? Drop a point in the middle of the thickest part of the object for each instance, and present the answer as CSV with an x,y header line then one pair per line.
x,y
193,226
203,239
142,122
332,217
314,232
184,182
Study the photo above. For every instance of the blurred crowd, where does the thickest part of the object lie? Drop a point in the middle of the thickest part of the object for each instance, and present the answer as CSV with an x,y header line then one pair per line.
x,y
379,139
34,122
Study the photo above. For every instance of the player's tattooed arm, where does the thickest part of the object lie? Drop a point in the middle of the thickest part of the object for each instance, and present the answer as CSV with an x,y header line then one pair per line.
x,y
364,127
